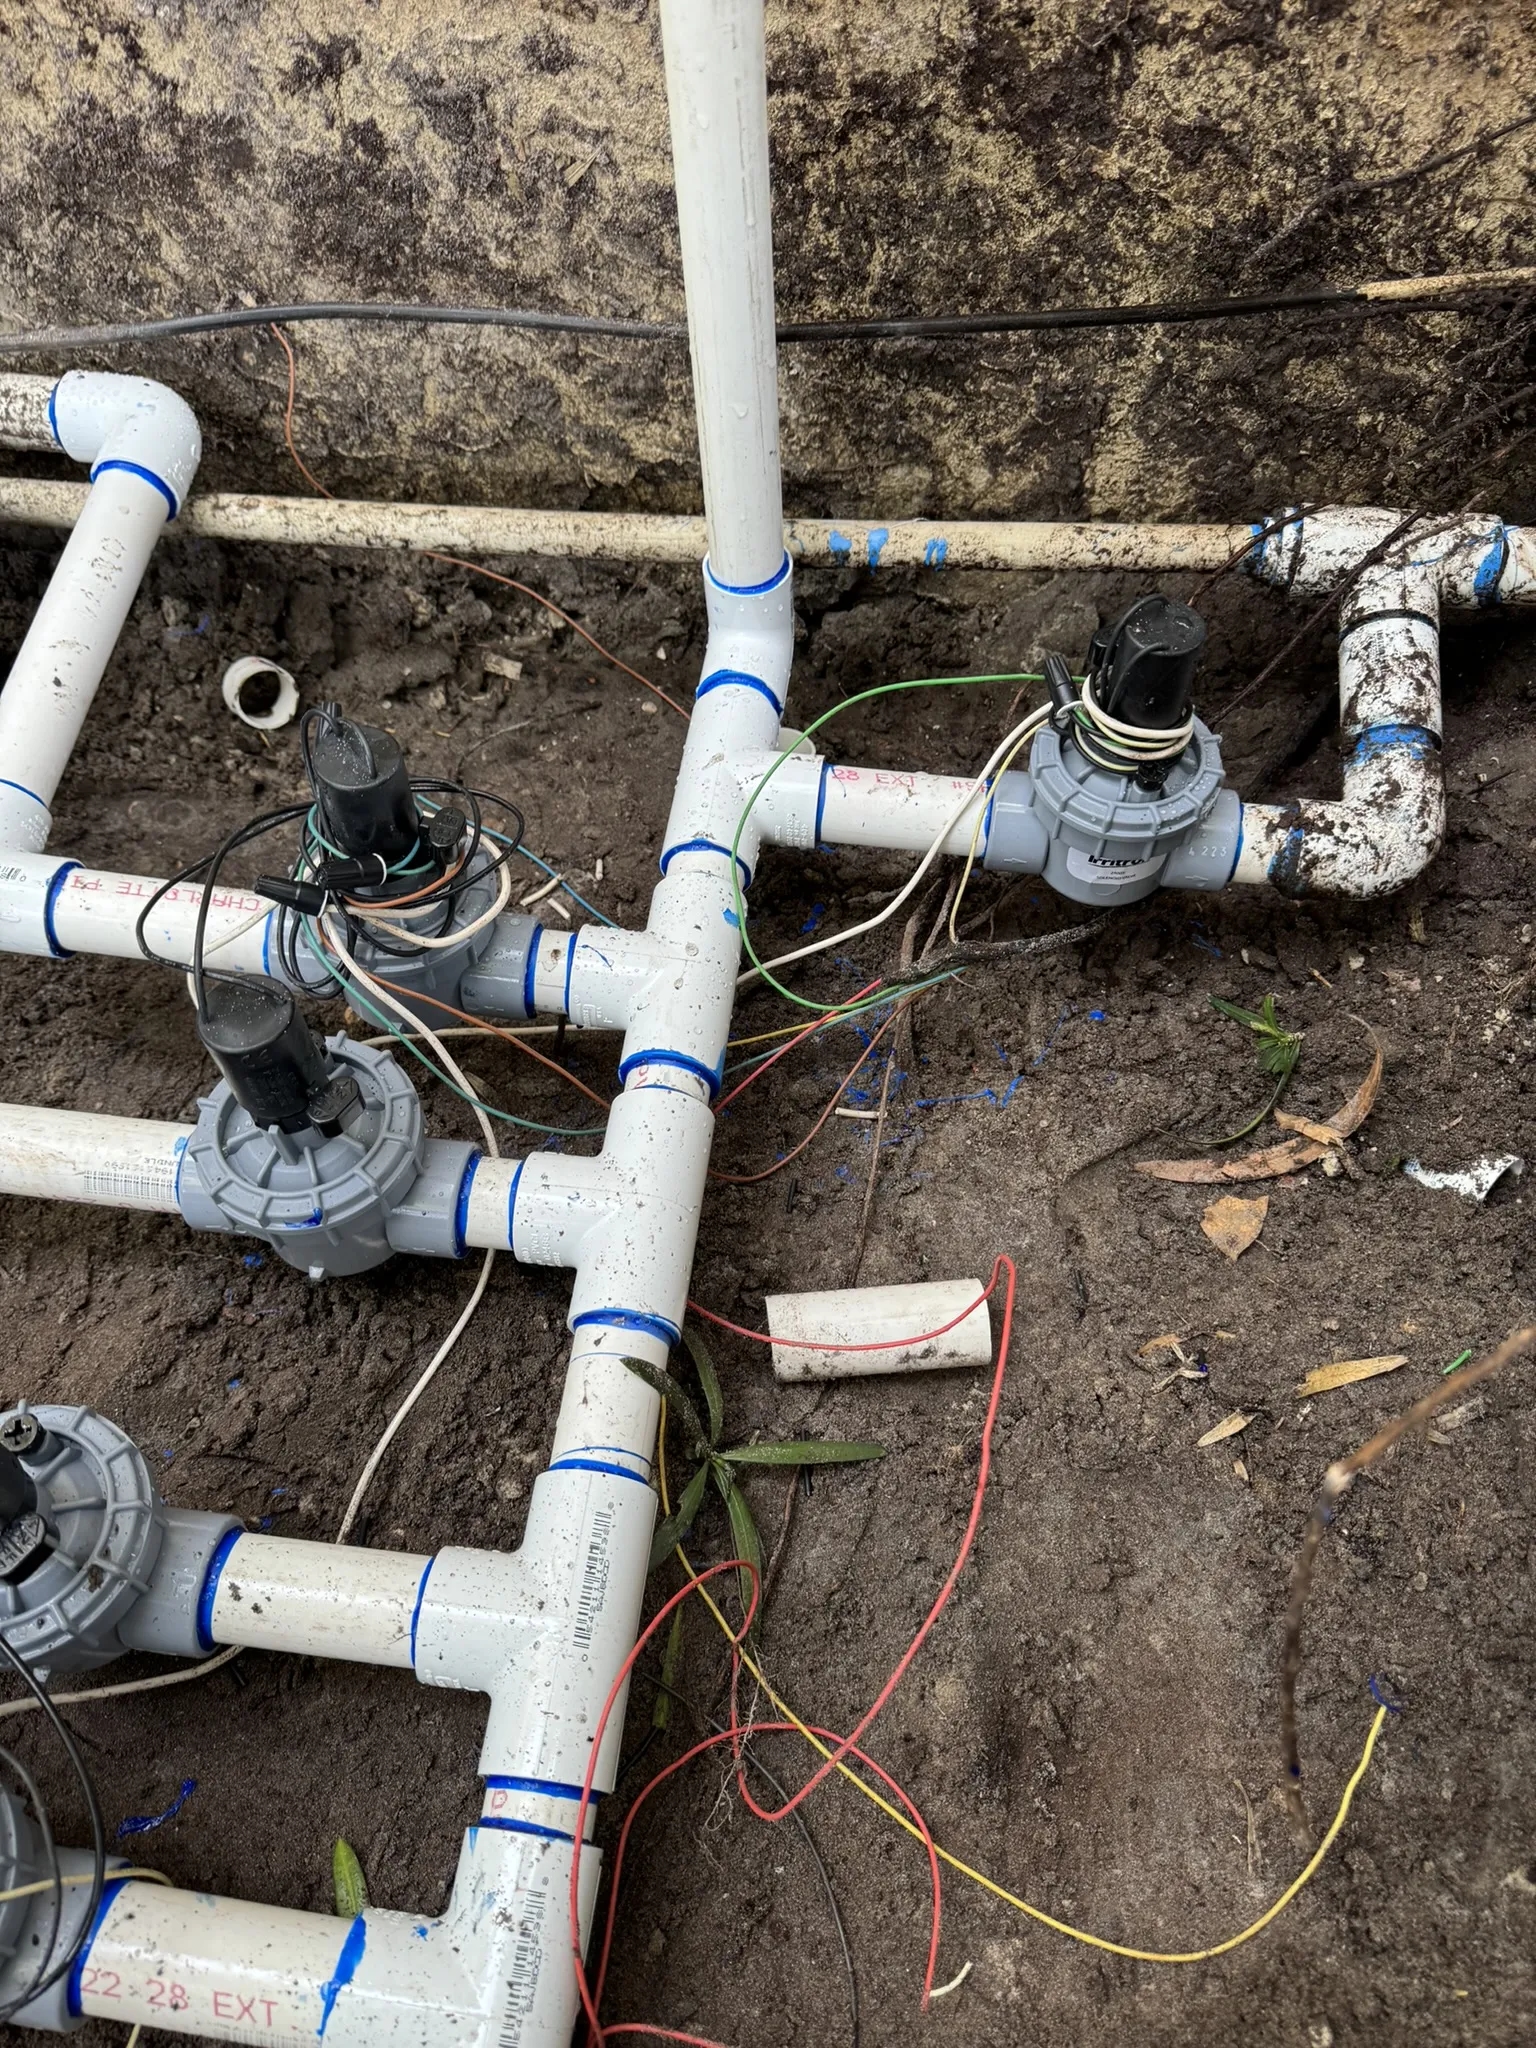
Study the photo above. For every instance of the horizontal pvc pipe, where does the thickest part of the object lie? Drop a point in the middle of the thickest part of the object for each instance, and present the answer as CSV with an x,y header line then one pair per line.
x,y
493,1972
66,1155
24,421
50,905
661,537
803,1325
317,1599
885,807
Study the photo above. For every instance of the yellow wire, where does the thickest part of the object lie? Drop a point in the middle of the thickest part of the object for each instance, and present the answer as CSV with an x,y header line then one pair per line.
x,y
45,1884
970,858
1114,1948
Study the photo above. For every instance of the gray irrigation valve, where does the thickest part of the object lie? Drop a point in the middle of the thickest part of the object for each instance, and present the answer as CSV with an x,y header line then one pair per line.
x,y
25,1924
322,1203
119,1570
1096,837
497,984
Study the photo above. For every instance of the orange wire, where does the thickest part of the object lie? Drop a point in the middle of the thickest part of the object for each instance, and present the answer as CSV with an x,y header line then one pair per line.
x,y
742,1180
417,995
455,561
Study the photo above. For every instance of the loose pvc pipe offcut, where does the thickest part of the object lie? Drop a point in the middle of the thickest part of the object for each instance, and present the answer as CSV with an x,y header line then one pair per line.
x,y
803,1326
260,693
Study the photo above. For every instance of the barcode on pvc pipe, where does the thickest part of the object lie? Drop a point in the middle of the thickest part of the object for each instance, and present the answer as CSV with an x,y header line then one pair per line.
x,y
146,1183
594,1579
523,1967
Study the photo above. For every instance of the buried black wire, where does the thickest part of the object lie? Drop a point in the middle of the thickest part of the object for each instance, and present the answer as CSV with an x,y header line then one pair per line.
x,y
750,1757
938,327
98,1838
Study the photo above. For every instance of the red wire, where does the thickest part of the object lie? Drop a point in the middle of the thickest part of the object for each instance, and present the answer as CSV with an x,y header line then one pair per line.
x,y
1003,1265
844,1746
799,1039
588,2002
731,1735
885,1343
742,1180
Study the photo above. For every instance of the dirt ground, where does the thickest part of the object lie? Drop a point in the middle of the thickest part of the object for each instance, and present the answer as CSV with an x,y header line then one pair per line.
x,y
1099,1707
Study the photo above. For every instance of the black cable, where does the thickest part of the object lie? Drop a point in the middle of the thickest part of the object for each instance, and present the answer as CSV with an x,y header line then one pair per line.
x,y
267,822
98,1834
51,1858
941,327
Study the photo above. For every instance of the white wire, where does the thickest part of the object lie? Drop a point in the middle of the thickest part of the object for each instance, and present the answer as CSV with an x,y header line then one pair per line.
x,y
439,1357
460,932
1020,732
1144,742
375,1458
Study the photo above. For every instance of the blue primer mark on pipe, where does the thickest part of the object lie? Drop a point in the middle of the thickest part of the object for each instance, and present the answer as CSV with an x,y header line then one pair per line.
x,y
1490,570
1285,867
206,1597
421,1594
1413,740
346,1969
839,546
731,919
935,552
878,536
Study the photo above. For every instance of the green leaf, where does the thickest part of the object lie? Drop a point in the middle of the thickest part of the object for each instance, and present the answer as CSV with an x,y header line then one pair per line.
x,y
743,1531
807,1453
1238,1014
671,1659
347,1876
704,1366
672,1392
680,1521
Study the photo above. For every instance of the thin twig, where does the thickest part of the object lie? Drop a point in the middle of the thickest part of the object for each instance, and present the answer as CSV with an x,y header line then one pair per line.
x,y
1337,1481
1347,190
981,953
874,1176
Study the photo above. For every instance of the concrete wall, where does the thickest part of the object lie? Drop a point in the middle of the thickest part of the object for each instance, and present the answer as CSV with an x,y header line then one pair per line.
x,y
932,155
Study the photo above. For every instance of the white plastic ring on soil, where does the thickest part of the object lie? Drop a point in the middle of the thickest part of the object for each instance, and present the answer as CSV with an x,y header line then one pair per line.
x,y
244,671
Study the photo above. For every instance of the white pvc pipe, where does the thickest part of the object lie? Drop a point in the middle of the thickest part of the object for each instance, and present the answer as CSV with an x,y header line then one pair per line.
x,y
143,445
1391,821
51,905
715,63
319,1599
65,1155
885,807
494,1971
804,1325
1086,544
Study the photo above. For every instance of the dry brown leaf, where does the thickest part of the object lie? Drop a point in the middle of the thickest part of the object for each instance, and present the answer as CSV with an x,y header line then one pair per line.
x,y
1232,1222
1171,1342
1324,1134
1283,1158
1324,1378
1232,1425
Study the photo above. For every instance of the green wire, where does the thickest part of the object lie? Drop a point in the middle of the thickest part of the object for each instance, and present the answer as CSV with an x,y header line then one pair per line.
x,y
863,697
360,1002
884,998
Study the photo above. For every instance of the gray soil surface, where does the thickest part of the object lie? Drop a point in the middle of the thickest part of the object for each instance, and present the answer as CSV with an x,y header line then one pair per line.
x,y
1100,1701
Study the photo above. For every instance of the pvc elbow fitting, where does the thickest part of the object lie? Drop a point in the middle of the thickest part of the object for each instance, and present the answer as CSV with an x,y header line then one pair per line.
x,y
132,423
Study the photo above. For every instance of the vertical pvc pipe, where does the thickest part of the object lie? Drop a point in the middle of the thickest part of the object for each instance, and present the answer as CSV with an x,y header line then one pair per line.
x,y
68,645
717,95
